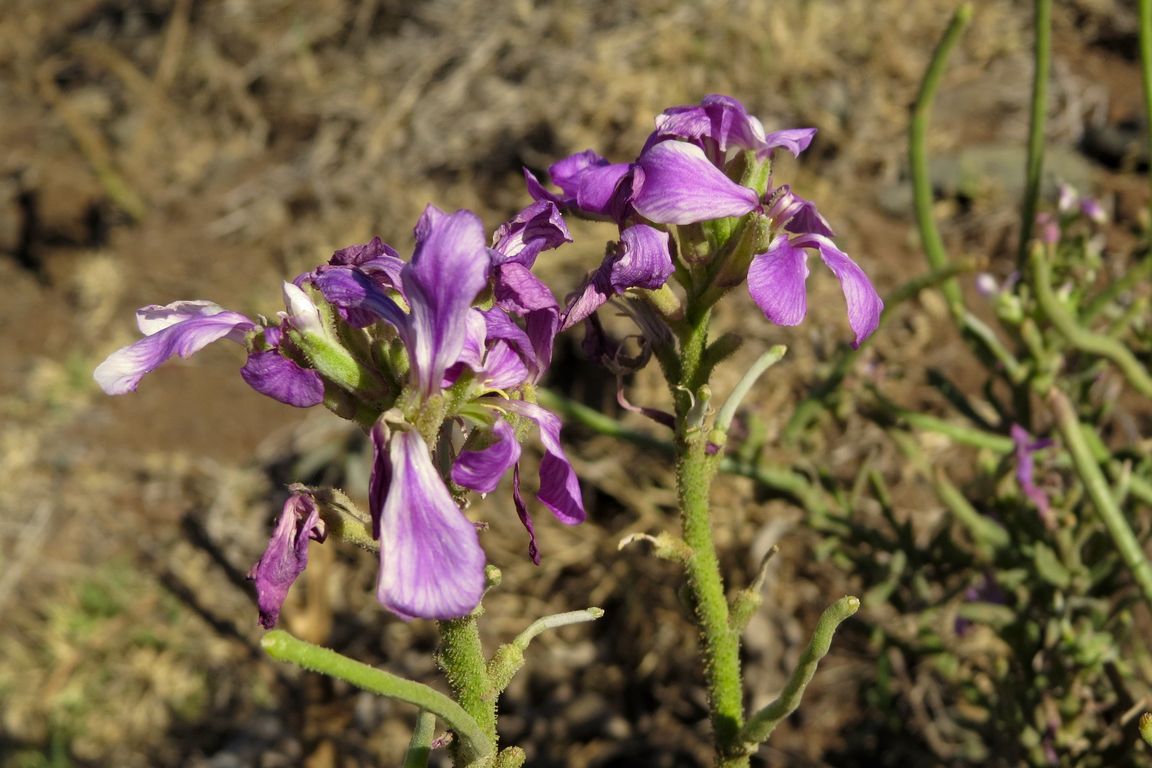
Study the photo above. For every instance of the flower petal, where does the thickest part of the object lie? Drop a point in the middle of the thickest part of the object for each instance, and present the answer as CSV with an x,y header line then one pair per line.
x,y
274,375
539,227
351,288
431,563
482,469
122,371
286,555
155,318
447,270
677,184
776,282
795,140
519,291
525,518
864,303
641,261
559,486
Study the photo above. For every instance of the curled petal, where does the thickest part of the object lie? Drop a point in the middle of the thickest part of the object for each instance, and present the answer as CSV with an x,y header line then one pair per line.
x,y
154,317
539,227
286,555
642,260
864,303
122,371
274,375
482,469
677,184
431,563
448,269
795,140
351,288
519,291
559,487
776,282
525,518
375,250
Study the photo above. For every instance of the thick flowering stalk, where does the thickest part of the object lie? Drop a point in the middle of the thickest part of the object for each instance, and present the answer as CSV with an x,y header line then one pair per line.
x,y
699,206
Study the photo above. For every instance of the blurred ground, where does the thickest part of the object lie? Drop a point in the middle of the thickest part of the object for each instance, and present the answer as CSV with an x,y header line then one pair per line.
x,y
154,151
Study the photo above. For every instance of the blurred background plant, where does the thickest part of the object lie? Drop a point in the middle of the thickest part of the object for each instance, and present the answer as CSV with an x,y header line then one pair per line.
x,y
188,149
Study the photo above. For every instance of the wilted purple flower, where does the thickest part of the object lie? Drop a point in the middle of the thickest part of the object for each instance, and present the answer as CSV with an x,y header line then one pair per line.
x,y
1026,447
286,555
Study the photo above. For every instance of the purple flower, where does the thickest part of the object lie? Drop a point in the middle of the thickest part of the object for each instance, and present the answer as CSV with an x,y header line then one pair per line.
x,y
286,555
640,260
590,184
720,123
184,328
1026,448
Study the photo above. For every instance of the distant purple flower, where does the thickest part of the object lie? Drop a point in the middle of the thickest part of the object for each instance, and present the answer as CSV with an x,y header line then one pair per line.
x,y
1026,447
286,555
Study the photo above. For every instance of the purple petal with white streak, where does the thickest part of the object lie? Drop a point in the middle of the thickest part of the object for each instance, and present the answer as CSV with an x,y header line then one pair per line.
x,y
677,184
351,288
776,282
431,563
447,270
122,371
274,375
482,469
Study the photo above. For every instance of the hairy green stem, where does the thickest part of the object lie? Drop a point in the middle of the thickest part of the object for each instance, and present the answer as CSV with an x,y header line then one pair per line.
x,y
1096,484
461,658
761,724
284,647
1042,64
720,643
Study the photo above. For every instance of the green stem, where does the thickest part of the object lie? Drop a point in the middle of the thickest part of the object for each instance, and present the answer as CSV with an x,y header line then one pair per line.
x,y
461,658
1146,71
918,158
1082,338
1041,66
420,746
761,724
1094,481
744,386
720,642
284,647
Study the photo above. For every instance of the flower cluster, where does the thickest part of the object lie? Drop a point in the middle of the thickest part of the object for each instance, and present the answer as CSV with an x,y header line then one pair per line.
x,y
706,163
459,335
453,341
